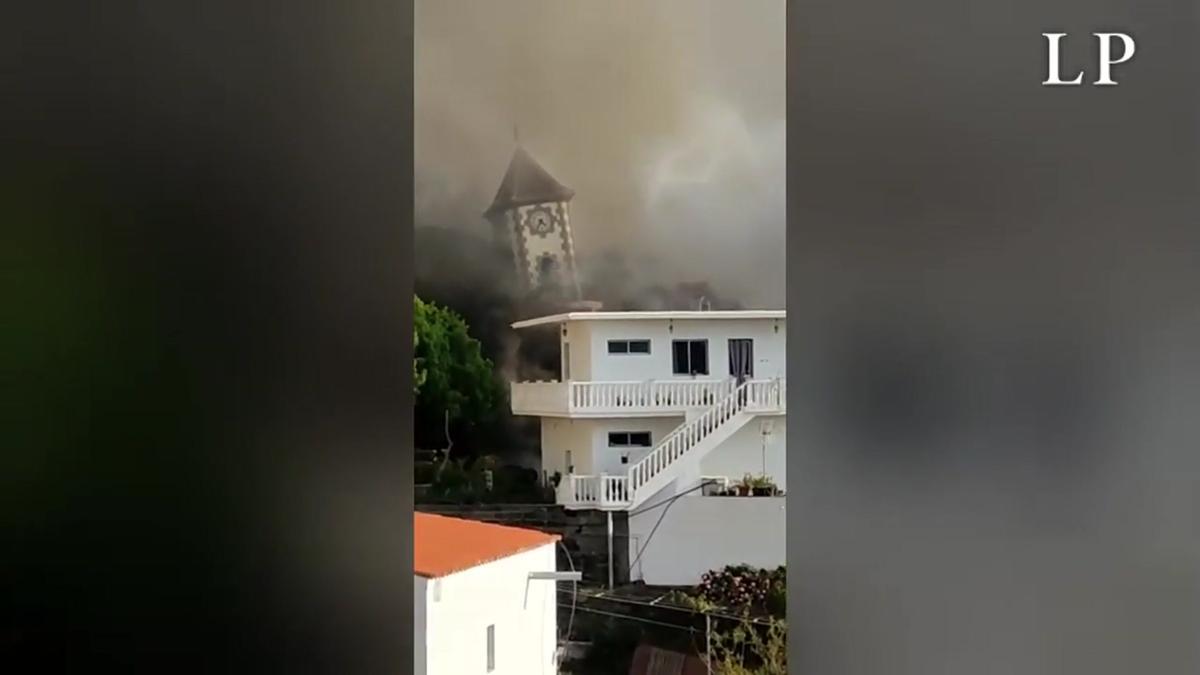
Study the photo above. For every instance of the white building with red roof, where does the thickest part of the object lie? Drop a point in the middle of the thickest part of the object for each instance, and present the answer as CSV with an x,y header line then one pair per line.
x,y
484,598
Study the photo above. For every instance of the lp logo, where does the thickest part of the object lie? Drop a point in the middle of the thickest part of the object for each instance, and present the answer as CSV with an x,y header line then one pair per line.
x,y
1106,59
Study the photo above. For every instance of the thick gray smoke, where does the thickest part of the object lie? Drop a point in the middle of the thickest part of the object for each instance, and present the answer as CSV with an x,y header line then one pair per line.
x,y
667,118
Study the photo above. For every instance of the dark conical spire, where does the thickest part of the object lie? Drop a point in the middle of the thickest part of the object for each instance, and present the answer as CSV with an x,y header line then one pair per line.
x,y
526,182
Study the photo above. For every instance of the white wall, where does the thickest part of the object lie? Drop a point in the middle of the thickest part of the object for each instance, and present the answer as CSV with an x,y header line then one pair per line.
x,y
560,435
699,534
461,606
581,350
769,347
588,441
420,607
608,460
746,450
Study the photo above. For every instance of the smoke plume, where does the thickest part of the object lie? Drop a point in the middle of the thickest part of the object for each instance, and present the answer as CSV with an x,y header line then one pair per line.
x,y
667,118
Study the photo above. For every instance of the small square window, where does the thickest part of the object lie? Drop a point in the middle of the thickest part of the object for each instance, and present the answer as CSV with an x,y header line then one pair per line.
x,y
627,439
628,346
640,439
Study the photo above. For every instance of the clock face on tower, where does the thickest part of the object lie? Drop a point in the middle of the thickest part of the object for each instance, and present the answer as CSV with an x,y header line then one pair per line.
x,y
541,222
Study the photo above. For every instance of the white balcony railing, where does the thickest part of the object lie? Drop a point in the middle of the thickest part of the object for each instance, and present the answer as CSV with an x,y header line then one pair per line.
x,y
595,491
615,398
766,395
699,434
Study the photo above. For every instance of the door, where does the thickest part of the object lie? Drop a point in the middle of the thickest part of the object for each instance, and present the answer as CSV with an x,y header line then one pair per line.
x,y
741,359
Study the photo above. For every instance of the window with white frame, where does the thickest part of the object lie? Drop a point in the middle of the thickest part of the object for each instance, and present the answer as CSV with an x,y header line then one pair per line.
x,y
628,346
629,439
689,357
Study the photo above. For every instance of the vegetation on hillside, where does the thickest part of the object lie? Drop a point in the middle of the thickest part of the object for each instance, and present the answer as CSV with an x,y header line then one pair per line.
x,y
748,635
457,390
735,619
483,480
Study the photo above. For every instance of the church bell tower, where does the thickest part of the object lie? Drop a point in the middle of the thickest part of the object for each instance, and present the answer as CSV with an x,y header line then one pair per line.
x,y
531,212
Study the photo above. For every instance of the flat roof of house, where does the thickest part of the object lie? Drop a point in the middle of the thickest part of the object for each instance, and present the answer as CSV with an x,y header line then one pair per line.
x,y
635,316
443,545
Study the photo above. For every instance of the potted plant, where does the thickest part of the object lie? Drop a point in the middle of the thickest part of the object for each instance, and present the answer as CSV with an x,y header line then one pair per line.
x,y
761,486
745,486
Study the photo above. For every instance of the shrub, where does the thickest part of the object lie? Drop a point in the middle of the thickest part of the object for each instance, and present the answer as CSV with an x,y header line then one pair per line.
x,y
463,481
736,586
455,483
777,595
518,485
743,644
750,649
423,473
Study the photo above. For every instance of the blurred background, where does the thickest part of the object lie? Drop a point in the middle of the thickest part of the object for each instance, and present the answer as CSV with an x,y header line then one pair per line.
x,y
992,294
991,284
206,447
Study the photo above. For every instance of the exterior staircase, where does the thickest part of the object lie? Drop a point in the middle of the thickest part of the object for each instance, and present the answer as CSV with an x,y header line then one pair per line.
x,y
680,450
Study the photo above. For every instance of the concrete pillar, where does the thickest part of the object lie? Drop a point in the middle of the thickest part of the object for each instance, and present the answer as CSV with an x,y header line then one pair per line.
x,y
611,566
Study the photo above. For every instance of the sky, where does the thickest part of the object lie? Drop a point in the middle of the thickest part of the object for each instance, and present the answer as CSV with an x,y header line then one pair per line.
x,y
667,118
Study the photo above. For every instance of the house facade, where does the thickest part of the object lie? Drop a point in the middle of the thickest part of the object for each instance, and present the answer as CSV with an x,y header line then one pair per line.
x,y
484,598
650,406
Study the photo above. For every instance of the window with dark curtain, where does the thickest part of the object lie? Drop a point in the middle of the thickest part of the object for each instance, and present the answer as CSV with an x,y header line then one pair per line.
x,y
699,350
680,357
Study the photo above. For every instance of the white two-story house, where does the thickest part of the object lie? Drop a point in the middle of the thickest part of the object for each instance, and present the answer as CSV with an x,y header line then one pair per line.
x,y
655,405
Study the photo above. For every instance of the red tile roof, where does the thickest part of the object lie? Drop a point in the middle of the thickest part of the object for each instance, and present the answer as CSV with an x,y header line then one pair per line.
x,y
443,545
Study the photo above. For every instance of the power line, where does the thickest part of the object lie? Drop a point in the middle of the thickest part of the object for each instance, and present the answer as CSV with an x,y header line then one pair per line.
x,y
670,501
633,617
574,594
677,608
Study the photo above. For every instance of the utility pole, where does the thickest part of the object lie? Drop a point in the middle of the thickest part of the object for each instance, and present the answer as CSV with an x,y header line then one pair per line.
x,y
708,642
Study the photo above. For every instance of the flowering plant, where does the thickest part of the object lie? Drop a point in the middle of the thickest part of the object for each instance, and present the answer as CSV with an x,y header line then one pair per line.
x,y
736,586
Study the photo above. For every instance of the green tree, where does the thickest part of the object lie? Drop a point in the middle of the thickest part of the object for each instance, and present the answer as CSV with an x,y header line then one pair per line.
x,y
458,386
418,364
